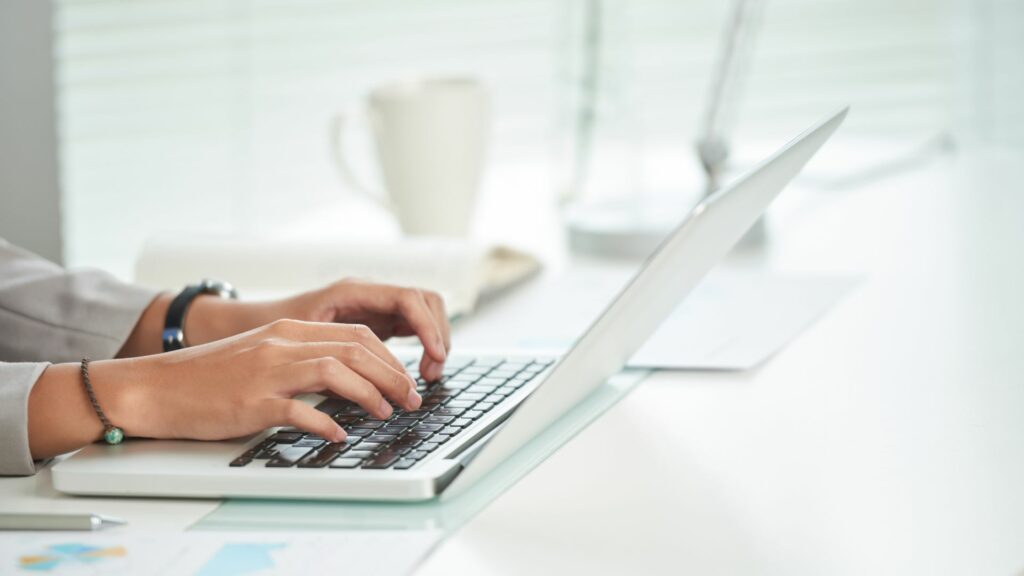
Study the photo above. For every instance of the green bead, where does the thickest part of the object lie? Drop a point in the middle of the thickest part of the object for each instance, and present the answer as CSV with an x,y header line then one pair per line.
x,y
113,435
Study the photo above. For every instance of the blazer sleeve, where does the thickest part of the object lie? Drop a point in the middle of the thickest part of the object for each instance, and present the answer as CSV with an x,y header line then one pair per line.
x,y
49,314
16,381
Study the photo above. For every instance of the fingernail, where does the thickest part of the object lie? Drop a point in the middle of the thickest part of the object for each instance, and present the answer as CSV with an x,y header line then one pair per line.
x,y
384,408
413,400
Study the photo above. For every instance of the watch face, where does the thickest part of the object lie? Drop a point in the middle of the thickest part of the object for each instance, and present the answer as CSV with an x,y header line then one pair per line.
x,y
218,287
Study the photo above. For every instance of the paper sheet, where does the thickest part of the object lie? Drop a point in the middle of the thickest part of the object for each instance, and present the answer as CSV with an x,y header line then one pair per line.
x,y
215,553
733,320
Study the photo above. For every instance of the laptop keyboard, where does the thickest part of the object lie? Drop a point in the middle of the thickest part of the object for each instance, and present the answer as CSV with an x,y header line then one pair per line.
x,y
468,389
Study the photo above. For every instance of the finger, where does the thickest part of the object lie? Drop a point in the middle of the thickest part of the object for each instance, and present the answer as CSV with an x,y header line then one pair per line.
x,y
410,305
328,374
436,305
330,332
288,412
395,384
430,369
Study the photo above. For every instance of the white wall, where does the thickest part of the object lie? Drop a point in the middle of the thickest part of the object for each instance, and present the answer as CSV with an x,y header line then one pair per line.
x,y
29,183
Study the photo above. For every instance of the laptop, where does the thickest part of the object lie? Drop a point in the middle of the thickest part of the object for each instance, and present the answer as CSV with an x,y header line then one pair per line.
x,y
482,410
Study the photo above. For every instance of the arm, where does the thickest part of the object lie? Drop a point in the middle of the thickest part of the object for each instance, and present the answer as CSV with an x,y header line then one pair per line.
x,y
227,386
387,310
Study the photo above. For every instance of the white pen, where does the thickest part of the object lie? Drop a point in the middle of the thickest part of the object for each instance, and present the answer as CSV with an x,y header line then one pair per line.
x,y
57,521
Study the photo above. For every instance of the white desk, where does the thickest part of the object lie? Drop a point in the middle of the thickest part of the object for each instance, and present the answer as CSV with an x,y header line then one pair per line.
x,y
886,439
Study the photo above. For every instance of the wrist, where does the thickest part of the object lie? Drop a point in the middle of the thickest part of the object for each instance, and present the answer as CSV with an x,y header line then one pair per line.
x,y
119,386
211,318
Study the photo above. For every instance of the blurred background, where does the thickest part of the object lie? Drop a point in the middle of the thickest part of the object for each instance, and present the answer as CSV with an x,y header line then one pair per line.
x,y
210,116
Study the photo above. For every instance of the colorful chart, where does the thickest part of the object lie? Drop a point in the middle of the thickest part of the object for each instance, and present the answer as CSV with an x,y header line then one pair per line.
x,y
59,554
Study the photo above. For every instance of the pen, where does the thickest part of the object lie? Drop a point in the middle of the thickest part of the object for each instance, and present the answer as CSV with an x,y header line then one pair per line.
x,y
57,521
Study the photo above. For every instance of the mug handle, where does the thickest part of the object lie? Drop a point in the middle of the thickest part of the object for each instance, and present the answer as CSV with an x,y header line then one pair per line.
x,y
344,168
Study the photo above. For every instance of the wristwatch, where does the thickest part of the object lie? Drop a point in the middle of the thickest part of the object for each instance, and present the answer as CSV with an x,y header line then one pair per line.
x,y
174,325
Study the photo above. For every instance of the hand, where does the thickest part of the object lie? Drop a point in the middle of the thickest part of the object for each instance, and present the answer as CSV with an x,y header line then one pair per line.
x,y
387,310
246,383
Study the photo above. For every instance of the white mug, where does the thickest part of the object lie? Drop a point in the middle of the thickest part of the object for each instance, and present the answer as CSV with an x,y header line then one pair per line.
x,y
431,137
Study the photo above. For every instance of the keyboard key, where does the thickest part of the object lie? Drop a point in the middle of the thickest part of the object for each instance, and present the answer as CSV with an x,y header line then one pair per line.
x,y
345,419
346,462
440,438
451,430
287,457
310,442
380,462
382,438
484,406
371,424
439,419
421,434
332,406
267,452
368,446
407,441
491,382
405,421
337,447
461,422
287,437
428,446
429,403
353,409
429,426
449,411
418,414
240,461
353,439
501,373
516,382
474,396
503,391
360,431
357,453
472,414
319,459
405,464
391,430
494,398
483,389
459,404
417,454
475,370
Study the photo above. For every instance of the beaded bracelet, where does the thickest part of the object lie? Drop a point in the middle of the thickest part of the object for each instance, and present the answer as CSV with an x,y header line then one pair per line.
x,y
111,434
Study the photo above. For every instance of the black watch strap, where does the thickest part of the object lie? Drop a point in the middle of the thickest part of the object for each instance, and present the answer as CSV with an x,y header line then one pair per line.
x,y
174,325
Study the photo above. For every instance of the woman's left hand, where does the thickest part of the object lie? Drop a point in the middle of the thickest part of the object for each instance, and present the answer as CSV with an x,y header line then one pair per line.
x,y
387,310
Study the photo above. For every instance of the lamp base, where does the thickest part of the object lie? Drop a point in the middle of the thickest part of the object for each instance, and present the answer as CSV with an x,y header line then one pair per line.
x,y
620,229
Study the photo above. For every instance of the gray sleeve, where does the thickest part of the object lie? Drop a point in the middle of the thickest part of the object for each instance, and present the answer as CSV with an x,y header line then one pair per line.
x,y
16,381
49,314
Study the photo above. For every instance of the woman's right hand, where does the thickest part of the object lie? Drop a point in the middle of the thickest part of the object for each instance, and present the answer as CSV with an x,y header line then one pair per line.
x,y
247,383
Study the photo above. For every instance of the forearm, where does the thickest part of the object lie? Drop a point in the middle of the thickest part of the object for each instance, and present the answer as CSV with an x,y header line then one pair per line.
x,y
209,318
60,415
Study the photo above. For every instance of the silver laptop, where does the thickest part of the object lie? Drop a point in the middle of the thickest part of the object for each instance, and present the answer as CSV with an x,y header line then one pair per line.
x,y
476,416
